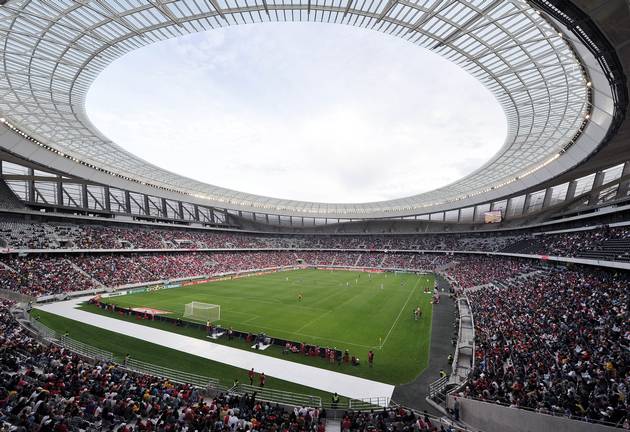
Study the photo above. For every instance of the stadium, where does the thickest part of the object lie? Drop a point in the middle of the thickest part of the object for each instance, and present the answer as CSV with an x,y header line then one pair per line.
x,y
134,298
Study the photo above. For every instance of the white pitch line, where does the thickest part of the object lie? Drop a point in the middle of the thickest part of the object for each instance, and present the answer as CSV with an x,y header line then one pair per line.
x,y
400,313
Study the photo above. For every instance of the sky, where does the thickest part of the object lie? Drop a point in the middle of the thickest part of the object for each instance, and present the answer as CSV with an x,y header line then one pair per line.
x,y
308,111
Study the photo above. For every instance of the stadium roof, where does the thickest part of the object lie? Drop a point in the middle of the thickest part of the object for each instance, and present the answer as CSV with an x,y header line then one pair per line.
x,y
53,51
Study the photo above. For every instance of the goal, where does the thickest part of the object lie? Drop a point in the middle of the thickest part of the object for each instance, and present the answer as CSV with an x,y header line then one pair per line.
x,y
204,312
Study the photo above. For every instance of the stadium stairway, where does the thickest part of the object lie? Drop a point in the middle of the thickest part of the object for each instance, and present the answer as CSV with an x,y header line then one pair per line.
x,y
95,281
333,425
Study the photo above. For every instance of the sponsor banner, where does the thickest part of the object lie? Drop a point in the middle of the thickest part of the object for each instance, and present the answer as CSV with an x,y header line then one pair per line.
x,y
230,277
195,282
173,285
352,269
150,288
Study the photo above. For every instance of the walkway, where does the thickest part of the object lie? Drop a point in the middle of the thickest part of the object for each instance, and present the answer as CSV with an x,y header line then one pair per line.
x,y
346,385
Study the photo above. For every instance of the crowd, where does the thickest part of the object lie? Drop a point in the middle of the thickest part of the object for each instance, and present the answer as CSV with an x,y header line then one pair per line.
x,y
46,389
473,270
20,235
576,243
17,234
393,419
40,274
555,342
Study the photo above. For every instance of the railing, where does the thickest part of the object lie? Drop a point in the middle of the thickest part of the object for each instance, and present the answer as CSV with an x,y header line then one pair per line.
x,y
207,383
85,349
43,331
173,374
437,387
278,396
67,342
368,403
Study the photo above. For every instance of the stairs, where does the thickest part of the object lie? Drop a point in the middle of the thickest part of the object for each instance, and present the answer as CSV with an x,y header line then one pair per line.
x,y
96,282
333,425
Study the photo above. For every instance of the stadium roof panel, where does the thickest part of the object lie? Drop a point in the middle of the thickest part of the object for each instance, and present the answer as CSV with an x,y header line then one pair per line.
x,y
52,52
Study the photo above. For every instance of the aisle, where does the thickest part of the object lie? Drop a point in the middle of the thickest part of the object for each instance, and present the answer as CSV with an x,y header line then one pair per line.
x,y
322,379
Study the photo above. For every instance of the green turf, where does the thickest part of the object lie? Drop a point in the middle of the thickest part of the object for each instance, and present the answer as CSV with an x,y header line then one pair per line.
x,y
336,311
121,345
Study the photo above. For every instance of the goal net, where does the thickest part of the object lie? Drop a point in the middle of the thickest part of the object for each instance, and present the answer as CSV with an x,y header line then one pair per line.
x,y
202,311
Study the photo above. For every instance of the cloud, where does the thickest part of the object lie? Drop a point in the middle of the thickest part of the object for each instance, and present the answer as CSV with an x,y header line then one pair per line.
x,y
303,111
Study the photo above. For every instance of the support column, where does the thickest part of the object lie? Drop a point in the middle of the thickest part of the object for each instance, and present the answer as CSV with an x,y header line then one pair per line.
x,y
146,204
164,208
59,186
624,185
571,190
599,180
528,199
108,201
127,203
547,198
31,185
84,196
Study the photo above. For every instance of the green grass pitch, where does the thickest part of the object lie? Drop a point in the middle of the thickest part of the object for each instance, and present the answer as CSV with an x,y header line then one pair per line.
x,y
342,309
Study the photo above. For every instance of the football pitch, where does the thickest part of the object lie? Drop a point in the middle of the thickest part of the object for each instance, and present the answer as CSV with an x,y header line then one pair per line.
x,y
346,310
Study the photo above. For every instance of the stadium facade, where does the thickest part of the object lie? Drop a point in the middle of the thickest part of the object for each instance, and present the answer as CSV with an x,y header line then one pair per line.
x,y
80,215
552,66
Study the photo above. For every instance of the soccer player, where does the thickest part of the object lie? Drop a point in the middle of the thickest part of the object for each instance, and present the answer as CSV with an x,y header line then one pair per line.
x,y
370,358
250,374
300,297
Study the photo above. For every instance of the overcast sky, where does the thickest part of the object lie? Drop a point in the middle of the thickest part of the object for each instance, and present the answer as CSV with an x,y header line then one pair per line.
x,y
314,112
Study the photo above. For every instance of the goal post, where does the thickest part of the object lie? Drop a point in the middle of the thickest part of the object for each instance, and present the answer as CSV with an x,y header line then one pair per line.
x,y
204,312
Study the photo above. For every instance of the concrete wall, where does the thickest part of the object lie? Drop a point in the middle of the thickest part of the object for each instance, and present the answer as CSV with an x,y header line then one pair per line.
x,y
496,418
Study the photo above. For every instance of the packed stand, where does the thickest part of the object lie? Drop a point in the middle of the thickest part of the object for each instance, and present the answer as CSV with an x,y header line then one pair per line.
x,y
555,342
18,234
40,275
37,275
469,271
392,419
51,389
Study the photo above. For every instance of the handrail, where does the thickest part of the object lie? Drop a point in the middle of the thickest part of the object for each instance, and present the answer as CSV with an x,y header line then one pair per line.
x,y
172,374
437,386
67,342
278,396
85,349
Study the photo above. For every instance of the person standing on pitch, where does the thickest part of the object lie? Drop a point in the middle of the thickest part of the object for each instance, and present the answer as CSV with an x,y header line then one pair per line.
x,y
370,358
250,374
